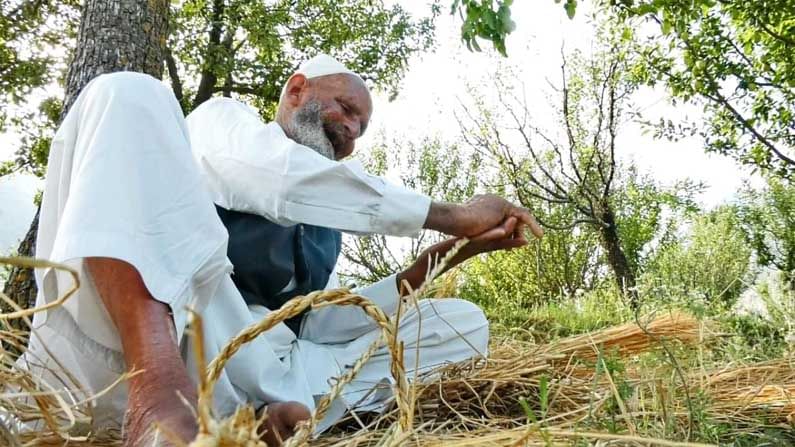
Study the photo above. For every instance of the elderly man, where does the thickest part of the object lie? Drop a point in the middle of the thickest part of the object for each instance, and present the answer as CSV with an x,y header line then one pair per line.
x,y
129,203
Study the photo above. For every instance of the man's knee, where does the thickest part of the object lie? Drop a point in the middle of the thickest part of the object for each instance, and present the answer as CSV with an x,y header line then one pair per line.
x,y
455,306
466,317
478,323
126,86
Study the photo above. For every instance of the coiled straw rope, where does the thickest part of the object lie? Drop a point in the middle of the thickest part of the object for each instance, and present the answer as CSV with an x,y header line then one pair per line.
x,y
339,297
294,307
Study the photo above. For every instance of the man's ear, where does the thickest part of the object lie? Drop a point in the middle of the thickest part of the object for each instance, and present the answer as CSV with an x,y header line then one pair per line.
x,y
295,86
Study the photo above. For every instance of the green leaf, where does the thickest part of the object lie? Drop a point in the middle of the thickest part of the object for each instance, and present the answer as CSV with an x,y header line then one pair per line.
x,y
527,410
571,8
666,27
626,34
543,393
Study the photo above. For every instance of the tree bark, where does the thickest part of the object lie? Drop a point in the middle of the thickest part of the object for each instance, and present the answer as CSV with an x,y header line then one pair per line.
x,y
176,82
114,35
21,286
118,35
623,272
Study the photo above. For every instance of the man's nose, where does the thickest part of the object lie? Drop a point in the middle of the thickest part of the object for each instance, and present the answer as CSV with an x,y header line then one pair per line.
x,y
353,128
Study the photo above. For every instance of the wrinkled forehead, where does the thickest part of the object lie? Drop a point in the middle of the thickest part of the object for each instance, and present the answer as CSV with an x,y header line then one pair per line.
x,y
344,85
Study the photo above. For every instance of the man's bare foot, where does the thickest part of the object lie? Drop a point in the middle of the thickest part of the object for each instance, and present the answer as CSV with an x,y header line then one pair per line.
x,y
281,421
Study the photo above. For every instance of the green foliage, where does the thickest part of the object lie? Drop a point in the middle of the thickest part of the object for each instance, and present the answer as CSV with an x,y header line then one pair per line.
x,y
518,292
588,310
491,20
34,39
36,129
599,212
763,323
557,266
735,58
31,34
611,364
441,170
709,262
754,338
240,48
768,217
647,213
250,49
568,175
486,20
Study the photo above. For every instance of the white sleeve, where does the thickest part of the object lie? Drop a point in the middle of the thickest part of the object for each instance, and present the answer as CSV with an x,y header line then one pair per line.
x,y
253,167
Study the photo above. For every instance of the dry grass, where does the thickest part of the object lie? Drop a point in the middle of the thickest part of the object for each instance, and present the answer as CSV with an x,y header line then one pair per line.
x,y
742,393
522,394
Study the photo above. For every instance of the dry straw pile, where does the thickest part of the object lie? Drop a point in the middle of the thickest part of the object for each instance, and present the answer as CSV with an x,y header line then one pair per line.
x,y
522,394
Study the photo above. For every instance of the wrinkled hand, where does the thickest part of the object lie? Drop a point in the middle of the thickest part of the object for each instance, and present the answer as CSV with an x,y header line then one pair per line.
x,y
477,216
506,236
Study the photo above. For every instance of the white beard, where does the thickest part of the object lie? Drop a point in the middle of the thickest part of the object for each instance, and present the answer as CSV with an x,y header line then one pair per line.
x,y
306,127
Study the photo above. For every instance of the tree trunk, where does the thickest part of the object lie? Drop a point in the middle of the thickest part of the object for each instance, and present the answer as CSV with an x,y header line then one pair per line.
x,y
118,35
115,35
208,77
624,275
21,286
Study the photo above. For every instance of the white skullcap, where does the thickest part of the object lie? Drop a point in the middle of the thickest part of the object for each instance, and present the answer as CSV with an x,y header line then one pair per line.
x,y
321,65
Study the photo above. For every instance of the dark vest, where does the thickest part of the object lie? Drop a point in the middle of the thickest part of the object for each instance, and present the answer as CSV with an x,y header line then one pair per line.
x,y
265,256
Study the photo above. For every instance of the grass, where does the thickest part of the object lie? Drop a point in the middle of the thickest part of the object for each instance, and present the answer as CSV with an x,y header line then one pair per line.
x,y
738,340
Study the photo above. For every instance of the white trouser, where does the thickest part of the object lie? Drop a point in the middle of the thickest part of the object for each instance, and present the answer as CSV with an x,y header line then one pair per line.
x,y
122,183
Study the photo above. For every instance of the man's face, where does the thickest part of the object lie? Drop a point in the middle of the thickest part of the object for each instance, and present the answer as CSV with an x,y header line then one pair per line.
x,y
339,106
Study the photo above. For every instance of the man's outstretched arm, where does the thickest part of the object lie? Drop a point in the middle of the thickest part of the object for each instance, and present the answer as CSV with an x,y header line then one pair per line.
x,y
254,168
148,338
478,215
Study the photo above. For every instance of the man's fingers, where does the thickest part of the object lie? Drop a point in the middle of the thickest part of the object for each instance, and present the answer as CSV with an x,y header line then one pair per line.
x,y
526,217
518,232
509,225
502,230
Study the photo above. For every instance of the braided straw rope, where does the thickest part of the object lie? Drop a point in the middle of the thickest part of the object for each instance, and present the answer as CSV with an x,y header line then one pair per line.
x,y
306,428
290,309
319,299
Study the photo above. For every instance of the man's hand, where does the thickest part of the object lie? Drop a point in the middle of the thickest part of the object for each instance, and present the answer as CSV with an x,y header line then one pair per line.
x,y
480,214
506,236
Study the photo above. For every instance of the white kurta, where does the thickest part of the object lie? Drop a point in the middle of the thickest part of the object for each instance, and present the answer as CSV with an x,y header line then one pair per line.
x,y
123,182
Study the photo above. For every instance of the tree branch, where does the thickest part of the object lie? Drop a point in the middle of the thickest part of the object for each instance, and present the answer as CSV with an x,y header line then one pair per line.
x,y
611,125
720,99
208,78
567,120
173,74
787,40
